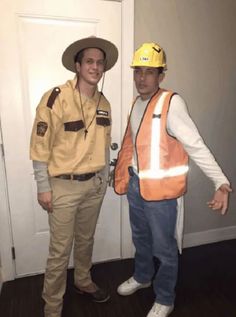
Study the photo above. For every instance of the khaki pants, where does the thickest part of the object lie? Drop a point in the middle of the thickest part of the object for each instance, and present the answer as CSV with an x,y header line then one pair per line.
x,y
76,207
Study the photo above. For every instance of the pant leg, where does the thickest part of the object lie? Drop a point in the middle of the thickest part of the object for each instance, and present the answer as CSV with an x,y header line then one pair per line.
x,y
85,225
162,220
153,232
141,234
61,223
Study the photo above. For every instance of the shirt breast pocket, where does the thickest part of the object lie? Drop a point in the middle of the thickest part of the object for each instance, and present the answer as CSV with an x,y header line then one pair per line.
x,y
102,121
73,126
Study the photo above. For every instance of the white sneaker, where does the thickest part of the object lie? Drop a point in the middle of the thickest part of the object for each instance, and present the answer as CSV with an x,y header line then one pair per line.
x,y
131,286
159,310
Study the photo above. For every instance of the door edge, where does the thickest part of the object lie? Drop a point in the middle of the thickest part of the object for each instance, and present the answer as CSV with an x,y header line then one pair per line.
x,y
7,267
127,33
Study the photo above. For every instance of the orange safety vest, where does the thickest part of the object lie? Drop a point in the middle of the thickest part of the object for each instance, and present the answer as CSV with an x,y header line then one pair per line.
x,y
161,159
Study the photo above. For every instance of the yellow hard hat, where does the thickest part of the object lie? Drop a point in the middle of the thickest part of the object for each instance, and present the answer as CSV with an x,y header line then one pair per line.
x,y
149,55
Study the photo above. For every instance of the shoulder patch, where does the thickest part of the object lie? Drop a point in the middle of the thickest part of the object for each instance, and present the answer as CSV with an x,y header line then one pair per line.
x,y
41,128
53,96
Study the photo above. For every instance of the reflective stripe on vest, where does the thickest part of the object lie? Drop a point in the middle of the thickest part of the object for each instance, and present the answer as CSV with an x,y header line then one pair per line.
x,y
155,171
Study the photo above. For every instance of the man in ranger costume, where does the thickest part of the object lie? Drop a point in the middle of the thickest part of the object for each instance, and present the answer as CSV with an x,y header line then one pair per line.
x,y
70,152
151,168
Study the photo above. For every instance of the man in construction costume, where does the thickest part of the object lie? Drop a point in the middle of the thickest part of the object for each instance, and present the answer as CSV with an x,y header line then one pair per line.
x,y
70,148
151,169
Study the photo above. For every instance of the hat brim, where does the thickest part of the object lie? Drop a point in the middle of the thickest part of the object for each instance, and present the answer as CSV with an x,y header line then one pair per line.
x,y
90,42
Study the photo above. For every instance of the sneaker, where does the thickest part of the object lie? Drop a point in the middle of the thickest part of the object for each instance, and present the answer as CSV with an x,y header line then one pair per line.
x,y
159,310
131,286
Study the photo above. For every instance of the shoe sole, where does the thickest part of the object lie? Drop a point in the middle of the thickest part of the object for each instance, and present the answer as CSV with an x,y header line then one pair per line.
x,y
122,293
102,301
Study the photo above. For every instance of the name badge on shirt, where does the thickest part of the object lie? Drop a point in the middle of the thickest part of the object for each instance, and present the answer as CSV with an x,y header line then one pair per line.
x,y
102,113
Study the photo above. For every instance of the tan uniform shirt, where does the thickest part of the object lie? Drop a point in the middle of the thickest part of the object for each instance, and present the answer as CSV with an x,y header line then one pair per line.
x,y
58,135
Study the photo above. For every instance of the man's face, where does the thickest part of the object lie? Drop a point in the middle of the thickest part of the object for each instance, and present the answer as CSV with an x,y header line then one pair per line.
x,y
92,66
147,81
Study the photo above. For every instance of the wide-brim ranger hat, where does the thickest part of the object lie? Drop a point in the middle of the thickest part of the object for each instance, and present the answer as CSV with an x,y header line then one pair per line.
x,y
111,51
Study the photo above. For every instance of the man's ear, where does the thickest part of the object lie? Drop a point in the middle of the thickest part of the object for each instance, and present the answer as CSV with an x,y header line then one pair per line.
x,y
77,67
161,77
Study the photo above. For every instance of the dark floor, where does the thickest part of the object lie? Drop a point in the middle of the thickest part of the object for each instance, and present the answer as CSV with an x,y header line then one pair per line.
x,y
206,288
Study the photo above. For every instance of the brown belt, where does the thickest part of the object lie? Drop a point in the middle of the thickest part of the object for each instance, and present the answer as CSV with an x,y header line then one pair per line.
x,y
80,177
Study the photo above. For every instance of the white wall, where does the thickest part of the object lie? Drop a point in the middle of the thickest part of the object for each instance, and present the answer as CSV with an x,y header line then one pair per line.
x,y
199,39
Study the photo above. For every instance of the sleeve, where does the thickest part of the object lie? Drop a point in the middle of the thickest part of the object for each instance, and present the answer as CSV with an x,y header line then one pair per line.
x,y
41,176
181,126
46,124
109,129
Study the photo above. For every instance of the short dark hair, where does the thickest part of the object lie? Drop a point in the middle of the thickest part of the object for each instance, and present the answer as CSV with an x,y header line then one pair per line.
x,y
79,56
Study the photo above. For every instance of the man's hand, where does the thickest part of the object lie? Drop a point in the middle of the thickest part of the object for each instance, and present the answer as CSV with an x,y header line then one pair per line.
x,y
220,199
45,200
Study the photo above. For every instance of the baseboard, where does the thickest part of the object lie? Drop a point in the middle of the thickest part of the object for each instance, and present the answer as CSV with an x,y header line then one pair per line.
x,y
210,236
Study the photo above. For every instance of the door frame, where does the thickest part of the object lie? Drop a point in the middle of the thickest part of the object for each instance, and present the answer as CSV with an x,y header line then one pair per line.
x,y
7,264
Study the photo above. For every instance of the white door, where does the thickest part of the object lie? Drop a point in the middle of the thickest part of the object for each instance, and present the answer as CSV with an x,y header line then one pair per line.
x,y
33,35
